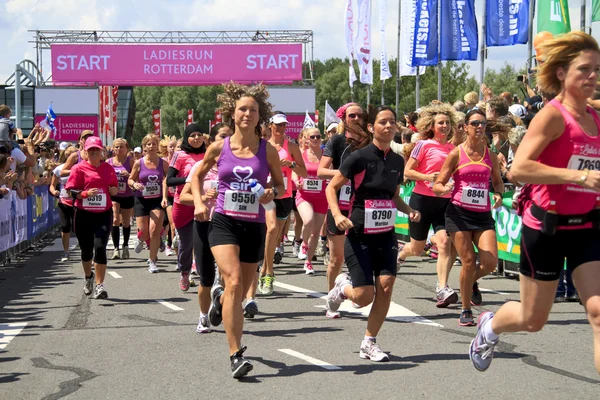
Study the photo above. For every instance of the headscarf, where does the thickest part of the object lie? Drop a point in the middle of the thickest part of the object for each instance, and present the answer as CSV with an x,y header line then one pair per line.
x,y
341,112
186,146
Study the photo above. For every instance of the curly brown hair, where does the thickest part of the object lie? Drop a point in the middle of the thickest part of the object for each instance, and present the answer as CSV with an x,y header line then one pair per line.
x,y
427,118
232,92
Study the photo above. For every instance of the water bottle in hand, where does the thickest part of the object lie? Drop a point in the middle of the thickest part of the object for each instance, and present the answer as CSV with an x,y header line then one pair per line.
x,y
258,191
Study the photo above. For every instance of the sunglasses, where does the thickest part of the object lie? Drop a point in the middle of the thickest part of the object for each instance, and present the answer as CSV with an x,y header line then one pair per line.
x,y
477,123
315,137
355,115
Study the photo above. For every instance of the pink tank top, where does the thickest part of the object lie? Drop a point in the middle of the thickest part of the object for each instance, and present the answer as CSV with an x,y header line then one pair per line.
x,y
472,182
284,154
574,149
312,186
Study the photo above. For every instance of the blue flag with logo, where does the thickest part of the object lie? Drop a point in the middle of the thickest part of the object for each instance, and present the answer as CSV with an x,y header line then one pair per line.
x,y
459,39
50,117
507,22
425,45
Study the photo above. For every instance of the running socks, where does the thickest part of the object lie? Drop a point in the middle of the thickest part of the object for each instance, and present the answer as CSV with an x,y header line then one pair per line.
x,y
116,236
369,338
489,334
126,234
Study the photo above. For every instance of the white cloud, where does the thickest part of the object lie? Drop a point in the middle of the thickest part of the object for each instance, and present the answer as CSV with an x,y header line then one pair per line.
x,y
324,17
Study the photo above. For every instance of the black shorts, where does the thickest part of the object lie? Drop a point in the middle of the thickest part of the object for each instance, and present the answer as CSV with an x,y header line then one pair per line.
x,y
205,262
170,201
283,207
294,208
459,219
248,236
543,256
126,203
143,206
93,230
369,256
433,214
66,217
332,229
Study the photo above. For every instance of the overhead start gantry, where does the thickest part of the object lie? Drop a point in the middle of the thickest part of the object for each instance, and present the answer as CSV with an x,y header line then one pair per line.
x,y
43,39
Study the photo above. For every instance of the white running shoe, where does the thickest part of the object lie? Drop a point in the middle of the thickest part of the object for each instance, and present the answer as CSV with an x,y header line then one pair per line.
x,y
333,314
370,350
152,268
65,257
169,251
203,325
308,268
303,250
115,254
336,297
139,246
125,253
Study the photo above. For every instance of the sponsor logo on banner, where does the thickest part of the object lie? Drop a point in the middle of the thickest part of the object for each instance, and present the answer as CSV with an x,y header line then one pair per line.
x,y
459,39
5,223
407,36
507,22
295,124
19,210
362,42
68,127
184,64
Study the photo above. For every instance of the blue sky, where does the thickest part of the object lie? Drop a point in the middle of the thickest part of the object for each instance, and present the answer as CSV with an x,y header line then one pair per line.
x,y
324,17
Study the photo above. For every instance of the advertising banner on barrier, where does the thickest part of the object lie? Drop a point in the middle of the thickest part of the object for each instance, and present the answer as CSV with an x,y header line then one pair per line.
x,y
5,223
176,64
508,225
19,222
38,204
68,127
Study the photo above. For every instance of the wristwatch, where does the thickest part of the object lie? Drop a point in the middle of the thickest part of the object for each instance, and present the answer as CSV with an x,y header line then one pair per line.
x,y
275,193
583,177
294,165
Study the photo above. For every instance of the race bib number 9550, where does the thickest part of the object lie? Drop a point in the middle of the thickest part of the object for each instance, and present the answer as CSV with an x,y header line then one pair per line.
x,y
241,204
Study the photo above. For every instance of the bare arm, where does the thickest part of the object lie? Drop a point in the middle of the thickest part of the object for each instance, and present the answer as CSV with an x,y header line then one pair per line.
x,y
441,186
134,176
497,182
324,171
71,161
300,169
275,167
401,206
411,173
334,186
213,151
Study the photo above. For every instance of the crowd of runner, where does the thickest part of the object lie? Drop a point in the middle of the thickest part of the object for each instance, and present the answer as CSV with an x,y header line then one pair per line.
x,y
224,202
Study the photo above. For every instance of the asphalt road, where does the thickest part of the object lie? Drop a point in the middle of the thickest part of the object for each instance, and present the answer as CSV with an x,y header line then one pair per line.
x,y
141,342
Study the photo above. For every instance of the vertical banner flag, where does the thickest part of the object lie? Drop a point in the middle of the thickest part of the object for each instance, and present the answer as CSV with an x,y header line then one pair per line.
x,y
507,22
384,71
308,122
425,45
407,35
316,118
190,118
553,17
362,42
218,118
329,115
349,29
156,122
595,10
459,39
114,108
105,121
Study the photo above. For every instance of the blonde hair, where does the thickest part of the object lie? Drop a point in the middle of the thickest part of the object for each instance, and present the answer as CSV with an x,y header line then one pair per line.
x,y
149,138
427,118
163,145
559,53
232,92
121,141
64,155
471,98
305,131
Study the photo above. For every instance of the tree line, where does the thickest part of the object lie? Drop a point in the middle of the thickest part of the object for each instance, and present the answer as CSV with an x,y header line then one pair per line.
x,y
331,84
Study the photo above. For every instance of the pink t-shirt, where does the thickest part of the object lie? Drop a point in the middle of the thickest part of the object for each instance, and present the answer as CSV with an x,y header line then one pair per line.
x,y
431,155
211,181
85,176
183,162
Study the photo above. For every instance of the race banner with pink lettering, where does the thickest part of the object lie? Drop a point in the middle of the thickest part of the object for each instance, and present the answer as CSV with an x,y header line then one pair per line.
x,y
177,64
295,124
68,127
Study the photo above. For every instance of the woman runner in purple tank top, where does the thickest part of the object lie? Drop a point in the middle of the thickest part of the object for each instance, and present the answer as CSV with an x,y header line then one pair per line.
x,y
123,201
147,178
237,235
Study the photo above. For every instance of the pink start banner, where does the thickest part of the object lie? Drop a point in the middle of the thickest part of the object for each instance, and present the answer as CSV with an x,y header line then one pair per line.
x,y
295,124
68,127
175,65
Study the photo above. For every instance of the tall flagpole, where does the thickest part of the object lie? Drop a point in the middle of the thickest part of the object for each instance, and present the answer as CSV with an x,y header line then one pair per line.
x,y
439,51
417,90
582,20
398,58
530,41
483,48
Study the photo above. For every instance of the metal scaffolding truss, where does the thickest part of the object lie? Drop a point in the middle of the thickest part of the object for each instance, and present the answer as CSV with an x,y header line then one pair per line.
x,y
43,39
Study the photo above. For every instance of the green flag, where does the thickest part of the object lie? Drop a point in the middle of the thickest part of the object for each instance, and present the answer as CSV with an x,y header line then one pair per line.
x,y
595,10
553,16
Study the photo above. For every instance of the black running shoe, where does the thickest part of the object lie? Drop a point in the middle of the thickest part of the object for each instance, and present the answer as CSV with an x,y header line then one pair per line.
x,y
466,318
476,298
215,315
239,365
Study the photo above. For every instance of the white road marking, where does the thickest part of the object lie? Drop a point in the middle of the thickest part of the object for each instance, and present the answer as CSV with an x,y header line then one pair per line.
x,y
9,331
169,305
115,275
395,313
493,291
310,360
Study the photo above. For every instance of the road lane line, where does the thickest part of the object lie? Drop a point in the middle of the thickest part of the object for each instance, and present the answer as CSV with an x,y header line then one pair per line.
x,y
395,313
169,305
493,291
310,360
9,331
115,275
